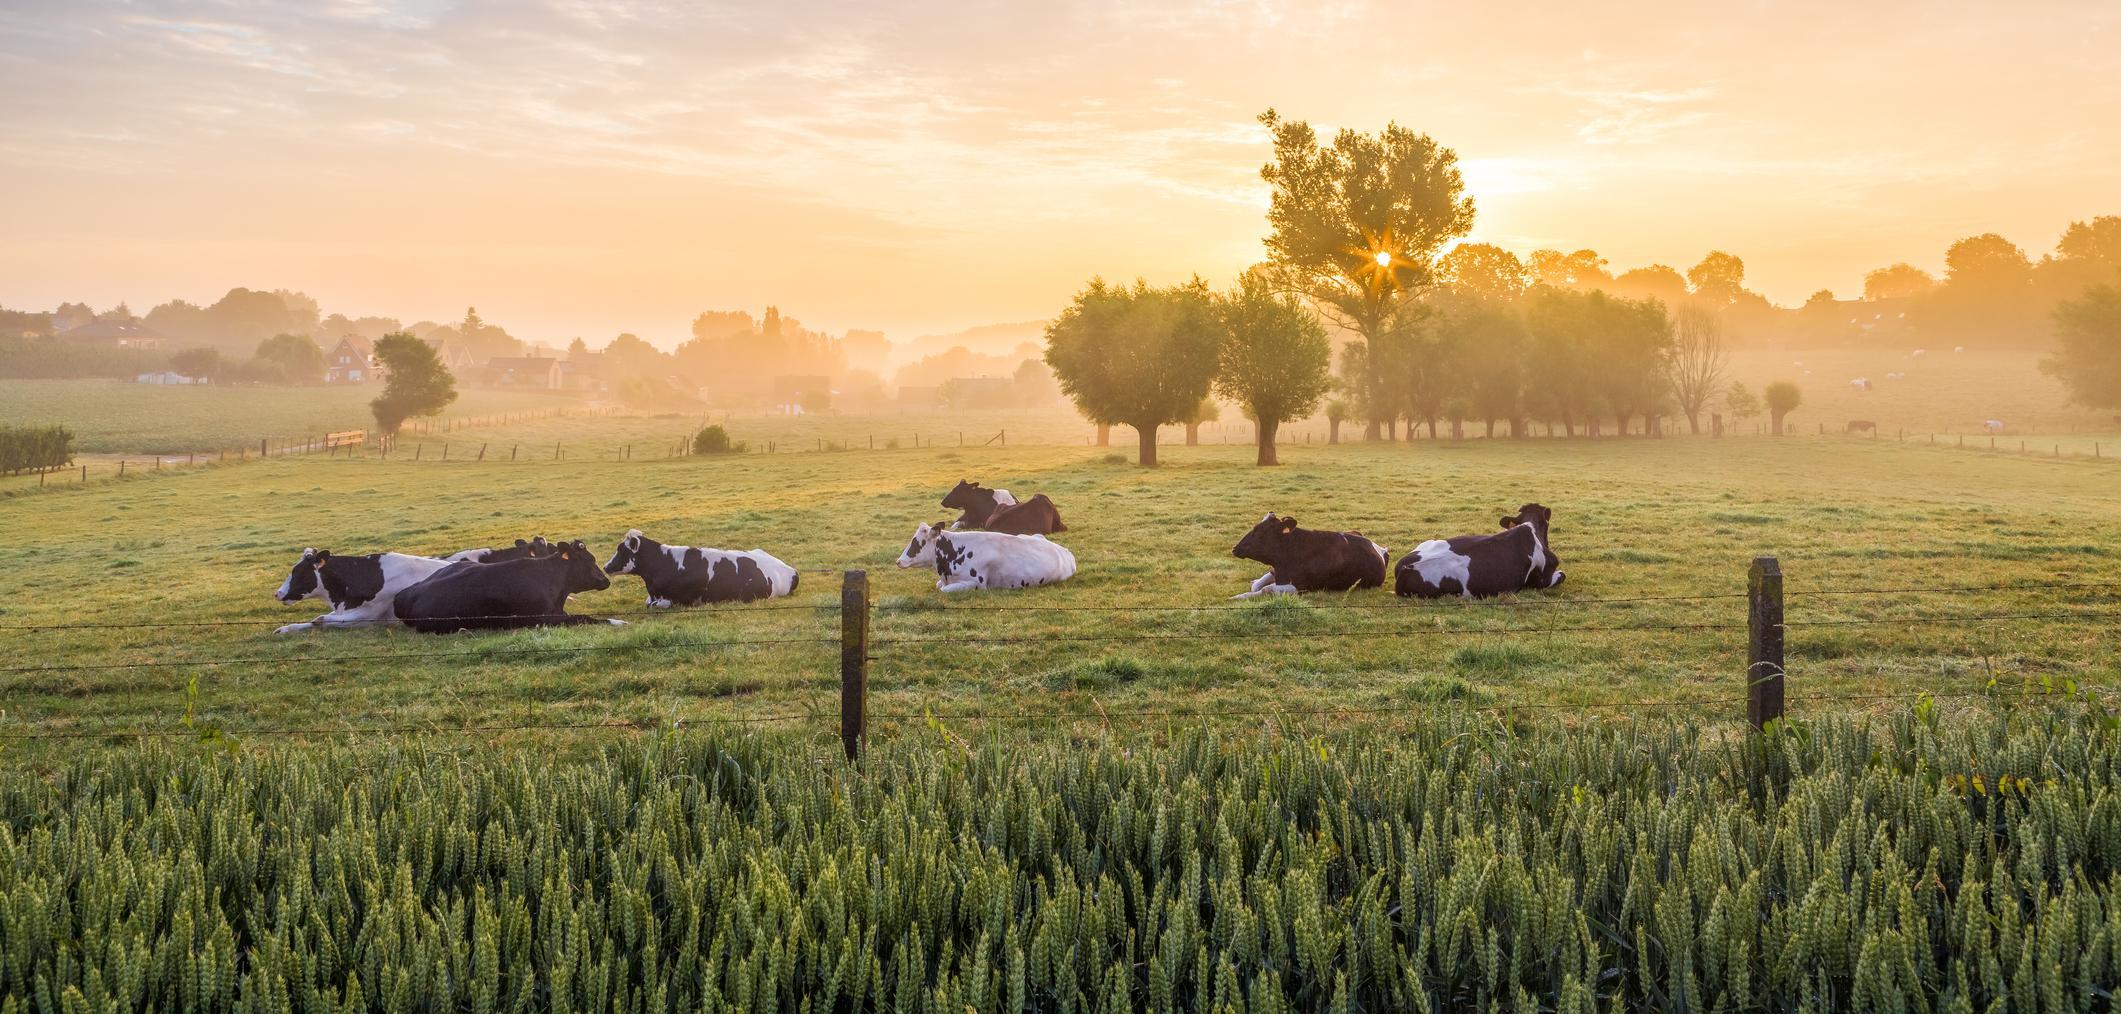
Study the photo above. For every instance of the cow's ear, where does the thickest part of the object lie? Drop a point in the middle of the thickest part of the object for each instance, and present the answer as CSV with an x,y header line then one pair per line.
x,y
1288,526
1508,521
520,543
564,554
323,555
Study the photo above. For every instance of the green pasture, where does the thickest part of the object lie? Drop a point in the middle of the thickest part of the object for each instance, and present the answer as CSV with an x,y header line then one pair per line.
x,y
1655,536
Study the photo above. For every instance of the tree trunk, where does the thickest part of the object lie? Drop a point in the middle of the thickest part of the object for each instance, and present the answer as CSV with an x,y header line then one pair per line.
x,y
1148,445
1693,422
1192,434
1267,429
1332,431
1491,429
1778,423
1104,434
1458,429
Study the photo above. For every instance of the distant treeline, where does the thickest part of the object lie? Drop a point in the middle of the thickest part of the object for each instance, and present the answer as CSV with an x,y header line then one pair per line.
x,y
30,448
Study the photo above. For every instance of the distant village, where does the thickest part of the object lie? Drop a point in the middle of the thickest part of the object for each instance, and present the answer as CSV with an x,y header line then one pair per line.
x,y
732,359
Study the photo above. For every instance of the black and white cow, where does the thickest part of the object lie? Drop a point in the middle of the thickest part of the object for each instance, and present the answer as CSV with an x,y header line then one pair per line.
x,y
1300,560
978,503
360,589
1480,566
530,591
688,575
965,561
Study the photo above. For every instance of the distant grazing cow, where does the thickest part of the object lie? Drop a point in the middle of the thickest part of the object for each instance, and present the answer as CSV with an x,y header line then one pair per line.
x,y
1918,352
1300,560
1862,426
1896,376
1992,425
688,576
527,592
965,561
1036,516
1479,566
978,504
1861,383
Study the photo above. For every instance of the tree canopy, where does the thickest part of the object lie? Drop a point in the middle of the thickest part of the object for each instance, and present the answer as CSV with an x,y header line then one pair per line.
x,y
2087,356
1141,357
1356,226
1275,358
415,383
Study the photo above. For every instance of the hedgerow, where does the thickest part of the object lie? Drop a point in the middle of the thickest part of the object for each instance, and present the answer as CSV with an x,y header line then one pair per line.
x,y
1905,863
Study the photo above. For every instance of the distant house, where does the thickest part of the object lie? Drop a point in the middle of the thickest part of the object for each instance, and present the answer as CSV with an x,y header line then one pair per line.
x,y
115,334
585,372
454,356
538,372
919,397
795,395
167,377
352,361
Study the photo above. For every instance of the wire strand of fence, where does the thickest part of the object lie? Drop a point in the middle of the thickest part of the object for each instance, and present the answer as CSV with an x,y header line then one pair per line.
x,y
1963,589
395,656
399,730
275,623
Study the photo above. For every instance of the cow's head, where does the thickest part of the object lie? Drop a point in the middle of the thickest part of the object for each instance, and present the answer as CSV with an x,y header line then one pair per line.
x,y
1531,514
302,582
523,550
627,557
1266,539
967,495
582,574
922,549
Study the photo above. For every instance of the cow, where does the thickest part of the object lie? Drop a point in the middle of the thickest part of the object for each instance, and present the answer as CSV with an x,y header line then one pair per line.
x,y
1480,566
529,591
965,561
1992,425
689,576
534,547
1861,426
977,503
1036,516
1861,383
1896,376
1299,560
360,589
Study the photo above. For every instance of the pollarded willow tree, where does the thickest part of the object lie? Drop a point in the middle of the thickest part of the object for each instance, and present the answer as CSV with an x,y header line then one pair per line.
x,y
1138,356
1699,360
414,381
1356,227
1276,358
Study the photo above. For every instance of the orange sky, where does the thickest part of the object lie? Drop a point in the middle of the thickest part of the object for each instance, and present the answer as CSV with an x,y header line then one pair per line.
x,y
584,167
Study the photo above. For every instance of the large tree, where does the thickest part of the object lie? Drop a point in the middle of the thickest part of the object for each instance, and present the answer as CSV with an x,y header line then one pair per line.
x,y
1276,360
1898,281
1484,271
1719,278
1699,360
1782,398
414,382
1356,226
2087,355
290,359
1138,356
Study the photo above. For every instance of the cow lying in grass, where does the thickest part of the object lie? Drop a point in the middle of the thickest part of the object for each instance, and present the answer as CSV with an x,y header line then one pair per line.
x,y
530,591
1300,560
966,561
977,503
689,576
361,589
1480,566
1036,516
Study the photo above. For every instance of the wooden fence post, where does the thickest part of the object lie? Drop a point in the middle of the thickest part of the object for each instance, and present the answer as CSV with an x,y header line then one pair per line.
x,y
84,473
854,661
482,452
416,449
1763,672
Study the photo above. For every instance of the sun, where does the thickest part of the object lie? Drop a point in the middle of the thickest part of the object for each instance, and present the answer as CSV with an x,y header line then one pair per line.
x,y
1384,258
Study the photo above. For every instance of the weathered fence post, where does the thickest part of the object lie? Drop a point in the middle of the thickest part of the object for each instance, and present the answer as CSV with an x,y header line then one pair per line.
x,y
261,448
482,452
1763,671
512,448
121,468
854,661
416,449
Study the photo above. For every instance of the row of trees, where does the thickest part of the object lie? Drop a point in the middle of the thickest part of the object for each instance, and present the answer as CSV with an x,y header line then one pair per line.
x,y
35,448
1147,357
1357,228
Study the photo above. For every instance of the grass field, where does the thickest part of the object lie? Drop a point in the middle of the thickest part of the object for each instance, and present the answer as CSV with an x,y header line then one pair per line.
x,y
114,417
1633,519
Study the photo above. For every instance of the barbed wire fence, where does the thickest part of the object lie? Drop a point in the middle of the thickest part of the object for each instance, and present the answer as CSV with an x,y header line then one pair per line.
x,y
1761,688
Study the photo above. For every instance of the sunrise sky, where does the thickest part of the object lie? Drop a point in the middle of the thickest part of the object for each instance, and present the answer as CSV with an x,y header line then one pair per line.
x,y
585,168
